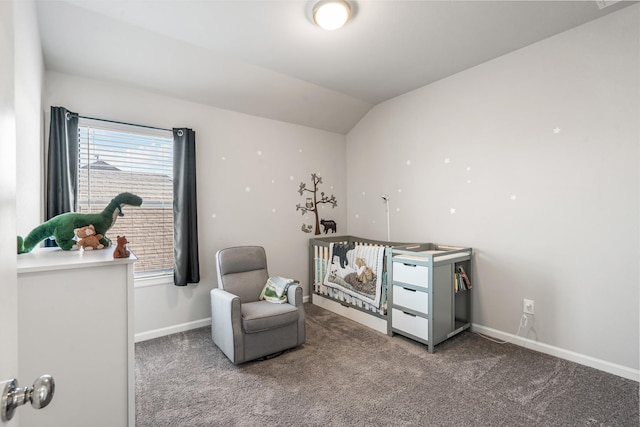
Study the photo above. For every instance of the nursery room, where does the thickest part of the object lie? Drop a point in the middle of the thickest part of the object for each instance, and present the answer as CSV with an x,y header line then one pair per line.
x,y
438,203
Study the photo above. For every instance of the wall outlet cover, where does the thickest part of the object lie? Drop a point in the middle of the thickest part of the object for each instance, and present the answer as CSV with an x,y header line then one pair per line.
x,y
527,306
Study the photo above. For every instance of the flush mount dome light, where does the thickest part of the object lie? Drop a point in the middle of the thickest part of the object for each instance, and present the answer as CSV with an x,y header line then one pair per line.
x,y
331,14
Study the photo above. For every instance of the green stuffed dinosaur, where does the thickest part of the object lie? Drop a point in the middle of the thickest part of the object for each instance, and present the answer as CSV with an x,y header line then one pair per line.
x,y
61,227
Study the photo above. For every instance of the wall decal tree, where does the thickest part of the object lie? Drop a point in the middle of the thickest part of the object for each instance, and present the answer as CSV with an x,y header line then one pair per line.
x,y
311,203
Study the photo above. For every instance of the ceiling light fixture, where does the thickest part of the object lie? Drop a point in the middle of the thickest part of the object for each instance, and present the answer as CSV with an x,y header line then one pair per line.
x,y
331,14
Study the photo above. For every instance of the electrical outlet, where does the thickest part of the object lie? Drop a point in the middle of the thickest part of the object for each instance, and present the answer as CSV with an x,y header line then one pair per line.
x,y
527,306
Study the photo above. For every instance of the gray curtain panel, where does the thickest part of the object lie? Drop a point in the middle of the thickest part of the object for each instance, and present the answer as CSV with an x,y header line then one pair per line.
x,y
185,212
62,164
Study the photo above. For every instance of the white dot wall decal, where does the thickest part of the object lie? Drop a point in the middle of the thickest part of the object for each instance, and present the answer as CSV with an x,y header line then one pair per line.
x,y
364,194
259,153
556,131
291,178
468,181
447,161
273,181
224,158
247,189
513,197
408,162
273,210
397,209
213,216
468,168
300,150
452,211
399,190
357,216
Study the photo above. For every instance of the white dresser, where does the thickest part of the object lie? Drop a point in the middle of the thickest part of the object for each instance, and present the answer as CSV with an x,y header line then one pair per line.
x,y
75,323
424,302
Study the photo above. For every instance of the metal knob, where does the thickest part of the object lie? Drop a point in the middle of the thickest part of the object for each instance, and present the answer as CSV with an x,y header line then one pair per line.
x,y
40,395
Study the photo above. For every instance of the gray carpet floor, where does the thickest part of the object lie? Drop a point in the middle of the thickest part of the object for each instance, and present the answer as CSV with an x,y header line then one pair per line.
x,y
349,375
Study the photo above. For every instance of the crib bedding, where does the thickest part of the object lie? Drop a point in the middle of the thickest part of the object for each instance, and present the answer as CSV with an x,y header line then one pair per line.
x,y
339,275
356,270
336,293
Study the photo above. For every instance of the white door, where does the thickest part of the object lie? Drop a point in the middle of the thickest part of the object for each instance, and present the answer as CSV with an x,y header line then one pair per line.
x,y
8,275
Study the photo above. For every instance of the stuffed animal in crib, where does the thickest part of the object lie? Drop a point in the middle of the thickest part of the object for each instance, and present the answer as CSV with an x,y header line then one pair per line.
x,y
121,250
363,272
87,238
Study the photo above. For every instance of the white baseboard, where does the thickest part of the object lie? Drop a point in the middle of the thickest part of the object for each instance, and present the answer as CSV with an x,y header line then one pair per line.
x,y
157,333
602,365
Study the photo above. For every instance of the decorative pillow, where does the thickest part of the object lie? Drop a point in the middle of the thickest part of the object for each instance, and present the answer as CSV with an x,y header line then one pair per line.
x,y
275,290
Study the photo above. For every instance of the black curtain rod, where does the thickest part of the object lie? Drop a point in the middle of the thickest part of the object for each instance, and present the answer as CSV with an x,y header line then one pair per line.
x,y
123,123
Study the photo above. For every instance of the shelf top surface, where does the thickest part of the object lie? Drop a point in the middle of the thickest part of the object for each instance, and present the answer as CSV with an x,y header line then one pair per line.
x,y
44,259
436,255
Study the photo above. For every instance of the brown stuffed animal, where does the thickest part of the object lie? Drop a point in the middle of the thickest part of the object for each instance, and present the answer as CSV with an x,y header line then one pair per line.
x,y
87,238
121,250
364,273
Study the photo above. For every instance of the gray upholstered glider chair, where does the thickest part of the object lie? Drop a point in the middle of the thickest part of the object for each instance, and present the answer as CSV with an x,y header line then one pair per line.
x,y
242,326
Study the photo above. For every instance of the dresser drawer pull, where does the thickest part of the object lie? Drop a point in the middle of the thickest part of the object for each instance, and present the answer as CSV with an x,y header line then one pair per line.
x,y
409,289
409,314
409,265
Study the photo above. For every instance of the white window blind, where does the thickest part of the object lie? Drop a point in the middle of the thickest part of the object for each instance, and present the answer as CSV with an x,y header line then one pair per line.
x,y
116,158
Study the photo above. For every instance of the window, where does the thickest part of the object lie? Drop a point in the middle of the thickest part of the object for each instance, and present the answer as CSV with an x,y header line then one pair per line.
x,y
114,158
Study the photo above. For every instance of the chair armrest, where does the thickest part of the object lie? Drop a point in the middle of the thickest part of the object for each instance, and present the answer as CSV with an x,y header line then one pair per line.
x,y
294,295
226,327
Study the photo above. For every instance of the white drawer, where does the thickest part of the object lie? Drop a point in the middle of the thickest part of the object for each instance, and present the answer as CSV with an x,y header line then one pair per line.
x,y
414,325
409,298
410,273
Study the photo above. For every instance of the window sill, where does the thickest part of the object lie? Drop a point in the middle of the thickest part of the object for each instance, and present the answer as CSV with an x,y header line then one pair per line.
x,y
162,280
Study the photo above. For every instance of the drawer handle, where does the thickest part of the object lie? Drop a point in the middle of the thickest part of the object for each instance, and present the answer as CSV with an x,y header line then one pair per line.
x,y
409,265
409,289
409,314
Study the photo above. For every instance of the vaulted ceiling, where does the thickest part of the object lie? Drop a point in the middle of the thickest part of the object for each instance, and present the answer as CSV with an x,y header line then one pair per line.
x,y
267,58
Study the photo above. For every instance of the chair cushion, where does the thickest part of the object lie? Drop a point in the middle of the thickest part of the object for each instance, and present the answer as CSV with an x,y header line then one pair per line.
x,y
242,270
262,315
247,285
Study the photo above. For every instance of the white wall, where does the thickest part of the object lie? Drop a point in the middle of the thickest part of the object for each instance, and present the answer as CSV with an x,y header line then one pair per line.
x,y
248,173
552,215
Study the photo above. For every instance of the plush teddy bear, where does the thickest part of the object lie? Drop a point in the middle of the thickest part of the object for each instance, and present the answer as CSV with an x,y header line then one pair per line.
x,y
121,250
87,238
364,273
